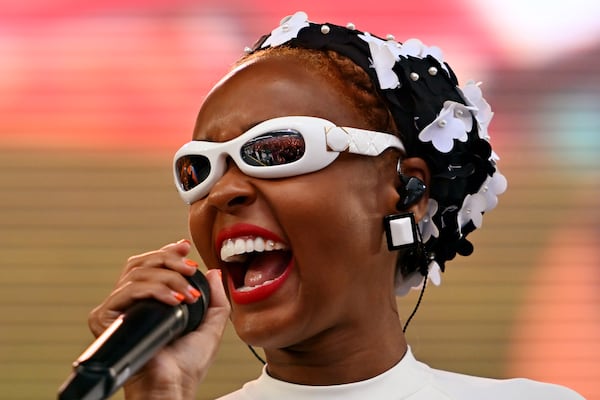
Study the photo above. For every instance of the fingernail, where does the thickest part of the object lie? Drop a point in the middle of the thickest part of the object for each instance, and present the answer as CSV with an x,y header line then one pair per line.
x,y
191,263
178,296
213,271
184,241
194,292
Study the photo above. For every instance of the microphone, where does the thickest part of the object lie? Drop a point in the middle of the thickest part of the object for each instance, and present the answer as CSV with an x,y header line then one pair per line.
x,y
130,342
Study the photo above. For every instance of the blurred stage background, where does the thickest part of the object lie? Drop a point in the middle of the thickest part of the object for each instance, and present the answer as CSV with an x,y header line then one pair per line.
x,y
95,96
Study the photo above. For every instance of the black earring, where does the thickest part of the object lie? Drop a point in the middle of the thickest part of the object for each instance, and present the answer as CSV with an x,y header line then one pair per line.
x,y
411,191
402,231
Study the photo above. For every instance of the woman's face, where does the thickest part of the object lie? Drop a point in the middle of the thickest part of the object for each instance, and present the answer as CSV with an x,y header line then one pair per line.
x,y
333,271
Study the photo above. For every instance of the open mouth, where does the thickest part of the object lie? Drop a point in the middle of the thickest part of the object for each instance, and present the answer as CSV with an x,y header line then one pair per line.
x,y
257,267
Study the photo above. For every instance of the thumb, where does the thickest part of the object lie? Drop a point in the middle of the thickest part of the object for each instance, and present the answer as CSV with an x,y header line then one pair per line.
x,y
181,247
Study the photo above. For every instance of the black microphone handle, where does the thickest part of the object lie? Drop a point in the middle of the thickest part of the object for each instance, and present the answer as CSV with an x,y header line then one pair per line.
x,y
130,342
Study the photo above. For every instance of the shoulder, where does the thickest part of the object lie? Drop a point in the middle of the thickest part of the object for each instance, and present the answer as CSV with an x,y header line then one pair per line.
x,y
237,395
463,387
253,389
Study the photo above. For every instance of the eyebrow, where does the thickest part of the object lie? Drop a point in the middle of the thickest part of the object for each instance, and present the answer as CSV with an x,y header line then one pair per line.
x,y
245,128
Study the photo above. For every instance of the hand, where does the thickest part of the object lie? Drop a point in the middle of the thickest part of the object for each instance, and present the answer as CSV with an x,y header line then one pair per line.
x,y
175,372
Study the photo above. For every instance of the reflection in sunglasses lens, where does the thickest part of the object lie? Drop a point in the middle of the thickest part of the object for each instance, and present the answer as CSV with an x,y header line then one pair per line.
x,y
192,170
273,148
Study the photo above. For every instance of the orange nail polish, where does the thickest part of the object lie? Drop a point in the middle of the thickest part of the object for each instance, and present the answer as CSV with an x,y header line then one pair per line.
x,y
178,296
191,263
194,292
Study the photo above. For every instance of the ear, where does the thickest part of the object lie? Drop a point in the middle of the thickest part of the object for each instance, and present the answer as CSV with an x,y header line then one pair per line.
x,y
417,167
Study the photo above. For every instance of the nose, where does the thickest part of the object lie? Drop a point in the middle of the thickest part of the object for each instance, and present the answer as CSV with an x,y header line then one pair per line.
x,y
233,190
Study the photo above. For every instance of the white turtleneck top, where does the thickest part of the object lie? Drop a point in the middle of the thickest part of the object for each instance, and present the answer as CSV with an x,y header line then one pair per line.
x,y
407,380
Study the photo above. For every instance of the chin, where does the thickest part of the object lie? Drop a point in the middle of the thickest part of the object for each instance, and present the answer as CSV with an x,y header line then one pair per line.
x,y
268,329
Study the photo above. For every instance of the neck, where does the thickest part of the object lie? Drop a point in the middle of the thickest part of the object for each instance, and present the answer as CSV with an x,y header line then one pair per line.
x,y
342,354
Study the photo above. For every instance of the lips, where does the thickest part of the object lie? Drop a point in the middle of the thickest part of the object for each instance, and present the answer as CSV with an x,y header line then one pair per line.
x,y
258,262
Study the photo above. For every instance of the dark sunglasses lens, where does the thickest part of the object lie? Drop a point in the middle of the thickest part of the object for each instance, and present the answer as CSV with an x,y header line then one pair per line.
x,y
192,170
273,148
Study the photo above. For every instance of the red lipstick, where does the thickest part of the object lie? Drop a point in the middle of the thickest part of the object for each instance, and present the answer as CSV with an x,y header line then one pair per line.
x,y
239,293
261,292
244,230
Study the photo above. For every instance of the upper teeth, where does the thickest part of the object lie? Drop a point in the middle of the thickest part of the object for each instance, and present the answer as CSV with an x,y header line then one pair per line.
x,y
232,249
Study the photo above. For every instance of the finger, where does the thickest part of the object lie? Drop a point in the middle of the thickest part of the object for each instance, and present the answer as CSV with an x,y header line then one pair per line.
x,y
173,279
122,298
218,310
217,290
172,291
181,247
168,253
171,256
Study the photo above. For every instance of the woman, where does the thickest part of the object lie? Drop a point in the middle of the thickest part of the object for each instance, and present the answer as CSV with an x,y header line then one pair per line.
x,y
329,171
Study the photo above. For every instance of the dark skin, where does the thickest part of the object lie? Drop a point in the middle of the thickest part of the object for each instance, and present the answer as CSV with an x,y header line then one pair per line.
x,y
334,320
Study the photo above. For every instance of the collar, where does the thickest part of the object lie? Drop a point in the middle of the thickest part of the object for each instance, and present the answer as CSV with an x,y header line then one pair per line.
x,y
407,377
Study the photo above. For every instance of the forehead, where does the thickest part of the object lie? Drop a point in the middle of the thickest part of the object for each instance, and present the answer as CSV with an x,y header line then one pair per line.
x,y
270,87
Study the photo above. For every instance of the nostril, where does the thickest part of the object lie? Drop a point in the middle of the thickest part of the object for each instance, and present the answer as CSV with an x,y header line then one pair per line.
x,y
237,201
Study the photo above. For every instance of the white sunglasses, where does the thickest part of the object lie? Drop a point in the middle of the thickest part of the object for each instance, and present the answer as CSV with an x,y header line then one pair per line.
x,y
276,148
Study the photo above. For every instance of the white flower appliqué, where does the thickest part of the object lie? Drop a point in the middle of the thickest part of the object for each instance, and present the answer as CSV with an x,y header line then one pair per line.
x,y
287,29
472,210
474,97
492,187
416,48
382,60
415,280
453,122
435,273
426,224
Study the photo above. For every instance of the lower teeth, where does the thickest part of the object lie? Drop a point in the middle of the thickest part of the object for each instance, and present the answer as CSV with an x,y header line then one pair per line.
x,y
249,288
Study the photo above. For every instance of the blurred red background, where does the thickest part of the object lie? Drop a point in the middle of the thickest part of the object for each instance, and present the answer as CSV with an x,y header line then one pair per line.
x,y
122,80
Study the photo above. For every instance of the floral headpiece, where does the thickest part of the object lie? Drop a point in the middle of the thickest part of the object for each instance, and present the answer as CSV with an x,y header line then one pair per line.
x,y
440,122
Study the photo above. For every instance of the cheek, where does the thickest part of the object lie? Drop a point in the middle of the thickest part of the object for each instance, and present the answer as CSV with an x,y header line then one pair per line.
x,y
336,220
200,229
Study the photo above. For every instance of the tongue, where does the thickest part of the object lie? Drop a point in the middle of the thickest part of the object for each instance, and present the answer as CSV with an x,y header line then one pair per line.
x,y
265,267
